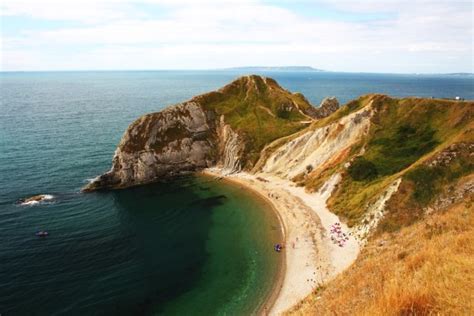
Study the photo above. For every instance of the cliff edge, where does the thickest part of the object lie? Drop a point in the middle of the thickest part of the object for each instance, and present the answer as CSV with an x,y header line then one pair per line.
x,y
226,128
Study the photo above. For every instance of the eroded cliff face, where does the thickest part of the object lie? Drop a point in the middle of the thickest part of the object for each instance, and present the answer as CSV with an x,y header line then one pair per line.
x,y
227,128
395,157
177,140
316,147
231,148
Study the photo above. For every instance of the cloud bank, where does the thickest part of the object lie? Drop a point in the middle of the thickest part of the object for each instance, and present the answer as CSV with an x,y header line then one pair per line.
x,y
369,36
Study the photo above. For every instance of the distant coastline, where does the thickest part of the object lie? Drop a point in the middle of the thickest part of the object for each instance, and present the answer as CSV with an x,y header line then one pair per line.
x,y
250,69
276,68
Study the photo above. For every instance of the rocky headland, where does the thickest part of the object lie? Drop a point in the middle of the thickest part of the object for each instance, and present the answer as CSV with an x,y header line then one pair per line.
x,y
225,128
343,179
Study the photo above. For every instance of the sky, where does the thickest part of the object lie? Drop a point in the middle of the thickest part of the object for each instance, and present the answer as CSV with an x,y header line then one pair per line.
x,y
390,36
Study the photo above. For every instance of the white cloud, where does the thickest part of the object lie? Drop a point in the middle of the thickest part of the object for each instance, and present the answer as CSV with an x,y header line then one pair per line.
x,y
124,34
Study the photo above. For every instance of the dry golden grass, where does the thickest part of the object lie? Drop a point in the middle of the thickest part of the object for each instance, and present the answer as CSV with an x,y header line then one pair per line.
x,y
423,269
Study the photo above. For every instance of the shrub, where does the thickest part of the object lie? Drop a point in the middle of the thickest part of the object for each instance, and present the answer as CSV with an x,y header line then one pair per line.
x,y
399,147
283,113
362,169
425,180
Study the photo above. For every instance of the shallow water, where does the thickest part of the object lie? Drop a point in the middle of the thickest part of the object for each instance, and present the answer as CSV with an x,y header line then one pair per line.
x,y
192,246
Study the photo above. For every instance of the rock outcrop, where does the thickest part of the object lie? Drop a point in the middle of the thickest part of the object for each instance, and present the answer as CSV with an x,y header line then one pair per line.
x,y
328,106
227,128
36,199
177,140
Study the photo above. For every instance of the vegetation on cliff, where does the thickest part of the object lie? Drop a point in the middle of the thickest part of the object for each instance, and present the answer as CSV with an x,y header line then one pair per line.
x,y
403,134
419,259
227,127
403,164
259,110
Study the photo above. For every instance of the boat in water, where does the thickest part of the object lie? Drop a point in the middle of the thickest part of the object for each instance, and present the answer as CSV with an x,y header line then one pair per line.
x,y
42,233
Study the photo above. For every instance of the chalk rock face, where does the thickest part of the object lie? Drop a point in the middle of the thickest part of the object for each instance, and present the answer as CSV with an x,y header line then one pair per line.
x,y
177,140
231,148
315,147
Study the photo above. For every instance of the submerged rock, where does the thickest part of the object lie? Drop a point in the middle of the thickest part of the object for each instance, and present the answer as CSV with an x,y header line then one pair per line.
x,y
36,199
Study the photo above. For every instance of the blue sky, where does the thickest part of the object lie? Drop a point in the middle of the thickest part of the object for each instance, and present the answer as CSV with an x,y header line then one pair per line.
x,y
417,36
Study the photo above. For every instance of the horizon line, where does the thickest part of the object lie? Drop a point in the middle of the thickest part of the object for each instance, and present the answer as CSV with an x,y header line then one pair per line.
x,y
237,68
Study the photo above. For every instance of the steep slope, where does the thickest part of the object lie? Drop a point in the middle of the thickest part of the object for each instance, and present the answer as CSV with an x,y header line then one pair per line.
x,y
396,165
406,184
423,269
228,127
376,143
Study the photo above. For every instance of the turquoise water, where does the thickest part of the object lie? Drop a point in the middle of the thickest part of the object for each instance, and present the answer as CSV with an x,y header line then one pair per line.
x,y
192,246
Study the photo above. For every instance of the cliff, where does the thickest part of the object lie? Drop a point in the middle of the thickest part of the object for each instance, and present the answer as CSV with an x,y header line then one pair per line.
x,y
405,186
226,128
394,170
377,145
403,178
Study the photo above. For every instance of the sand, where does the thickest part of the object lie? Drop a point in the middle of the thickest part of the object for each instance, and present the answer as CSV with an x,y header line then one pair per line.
x,y
311,257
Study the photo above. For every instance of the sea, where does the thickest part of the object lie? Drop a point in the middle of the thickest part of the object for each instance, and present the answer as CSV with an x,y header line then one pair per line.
x,y
193,246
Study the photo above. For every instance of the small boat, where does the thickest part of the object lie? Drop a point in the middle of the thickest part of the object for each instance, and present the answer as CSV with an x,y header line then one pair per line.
x,y
42,233
278,247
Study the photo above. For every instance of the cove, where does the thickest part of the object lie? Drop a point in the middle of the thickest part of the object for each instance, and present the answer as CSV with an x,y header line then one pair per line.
x,y
191,246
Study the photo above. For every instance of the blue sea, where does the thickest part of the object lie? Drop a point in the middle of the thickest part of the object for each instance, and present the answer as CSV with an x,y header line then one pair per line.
x,y
196,246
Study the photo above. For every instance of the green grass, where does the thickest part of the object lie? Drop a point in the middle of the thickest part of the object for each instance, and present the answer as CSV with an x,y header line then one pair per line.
x,y
361,169
428,181
395,148
425,180
246,104
402,132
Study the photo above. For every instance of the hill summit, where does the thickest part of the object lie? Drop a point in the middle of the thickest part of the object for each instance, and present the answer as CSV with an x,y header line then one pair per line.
x,y
228,127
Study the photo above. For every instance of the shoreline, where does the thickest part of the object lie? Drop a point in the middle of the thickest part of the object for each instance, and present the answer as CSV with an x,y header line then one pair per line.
x,y
269,299
311,258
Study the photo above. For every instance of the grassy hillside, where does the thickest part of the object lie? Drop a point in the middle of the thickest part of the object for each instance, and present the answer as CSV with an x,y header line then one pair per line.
x,y
259,110
420,261
403,134
423,269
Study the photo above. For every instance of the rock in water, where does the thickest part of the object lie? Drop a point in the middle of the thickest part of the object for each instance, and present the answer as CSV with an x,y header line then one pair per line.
x,y
36,199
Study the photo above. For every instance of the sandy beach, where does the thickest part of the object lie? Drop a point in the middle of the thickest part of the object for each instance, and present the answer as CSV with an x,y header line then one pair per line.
x,y
316,249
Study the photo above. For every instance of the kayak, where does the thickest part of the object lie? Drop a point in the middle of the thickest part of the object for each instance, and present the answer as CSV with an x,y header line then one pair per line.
x,y
42,233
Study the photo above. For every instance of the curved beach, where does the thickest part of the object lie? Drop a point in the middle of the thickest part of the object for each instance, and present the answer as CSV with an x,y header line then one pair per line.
x,y
271,298
310,257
